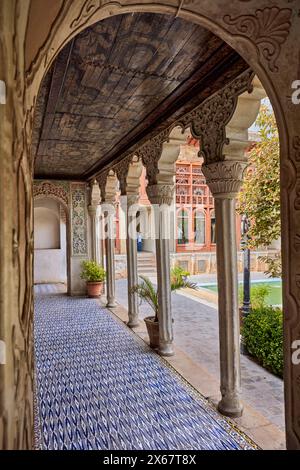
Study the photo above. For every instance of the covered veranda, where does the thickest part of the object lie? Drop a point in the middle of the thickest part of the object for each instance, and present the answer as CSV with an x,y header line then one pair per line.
x,y
110,94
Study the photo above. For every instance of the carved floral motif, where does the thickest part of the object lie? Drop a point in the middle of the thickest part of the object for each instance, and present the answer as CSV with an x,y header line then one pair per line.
x,y
78,205
59,190
296,147
267,28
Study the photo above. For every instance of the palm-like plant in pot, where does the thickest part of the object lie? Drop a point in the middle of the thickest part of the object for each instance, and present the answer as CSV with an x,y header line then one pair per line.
x,y
148,292
94,275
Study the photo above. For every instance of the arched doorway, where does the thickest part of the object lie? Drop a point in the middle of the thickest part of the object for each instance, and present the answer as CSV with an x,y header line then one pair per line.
x,y
51,243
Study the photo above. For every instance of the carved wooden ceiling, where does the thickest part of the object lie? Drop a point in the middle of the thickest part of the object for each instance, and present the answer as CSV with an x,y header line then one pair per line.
x,y
120,81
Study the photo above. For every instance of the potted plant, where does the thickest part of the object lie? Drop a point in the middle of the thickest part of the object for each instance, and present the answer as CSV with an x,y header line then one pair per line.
x,y
94,275
147,291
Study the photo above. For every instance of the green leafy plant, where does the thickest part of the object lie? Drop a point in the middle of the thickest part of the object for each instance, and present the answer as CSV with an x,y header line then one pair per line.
x,y
147,291
262,332
92,272
258,295
273,265
260,195
179,279
179,271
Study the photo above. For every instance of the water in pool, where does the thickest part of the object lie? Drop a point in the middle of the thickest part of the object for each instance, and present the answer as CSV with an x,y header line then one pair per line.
x,y
274,298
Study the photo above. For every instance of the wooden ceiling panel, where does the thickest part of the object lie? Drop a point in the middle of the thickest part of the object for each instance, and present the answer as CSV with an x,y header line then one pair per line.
x,y
120,80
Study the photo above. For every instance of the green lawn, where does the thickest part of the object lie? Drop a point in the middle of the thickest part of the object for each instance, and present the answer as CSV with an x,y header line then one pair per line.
x,y
275,297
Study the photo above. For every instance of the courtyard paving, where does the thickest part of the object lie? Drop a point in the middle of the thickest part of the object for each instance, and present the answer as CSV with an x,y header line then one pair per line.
x,y
196,333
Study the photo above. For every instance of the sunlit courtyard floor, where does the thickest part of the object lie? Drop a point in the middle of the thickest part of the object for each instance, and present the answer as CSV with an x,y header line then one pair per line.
x,y
99,386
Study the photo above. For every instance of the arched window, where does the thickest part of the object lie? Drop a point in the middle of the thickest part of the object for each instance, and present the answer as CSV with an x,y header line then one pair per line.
x,y
212,227
199,227
182,227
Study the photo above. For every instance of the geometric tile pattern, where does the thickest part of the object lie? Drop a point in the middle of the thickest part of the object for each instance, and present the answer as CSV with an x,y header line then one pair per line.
x,y
98,386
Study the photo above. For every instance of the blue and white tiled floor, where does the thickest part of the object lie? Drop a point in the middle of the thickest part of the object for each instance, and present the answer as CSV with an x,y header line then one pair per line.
x,y
98,386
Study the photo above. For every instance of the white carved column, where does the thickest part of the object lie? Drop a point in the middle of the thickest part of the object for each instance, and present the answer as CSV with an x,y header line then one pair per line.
x,y
94,215
101,239
224,180
161,196
94,211
108,210
131,252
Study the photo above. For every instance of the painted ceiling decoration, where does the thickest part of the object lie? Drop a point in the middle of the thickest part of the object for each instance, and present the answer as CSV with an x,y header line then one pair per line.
x,y
119,82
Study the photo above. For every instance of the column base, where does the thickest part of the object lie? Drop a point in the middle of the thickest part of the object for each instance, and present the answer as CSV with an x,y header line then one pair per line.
x,y
166,349
133,323
232,408
111,304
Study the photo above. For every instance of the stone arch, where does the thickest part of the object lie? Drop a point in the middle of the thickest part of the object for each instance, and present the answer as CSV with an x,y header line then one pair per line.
x,y
243,31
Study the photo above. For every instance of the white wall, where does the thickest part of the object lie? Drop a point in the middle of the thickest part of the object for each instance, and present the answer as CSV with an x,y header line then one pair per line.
x,y
50,243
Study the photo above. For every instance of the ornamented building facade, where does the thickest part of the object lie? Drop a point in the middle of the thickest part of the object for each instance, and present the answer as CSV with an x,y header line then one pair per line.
x,y
193,222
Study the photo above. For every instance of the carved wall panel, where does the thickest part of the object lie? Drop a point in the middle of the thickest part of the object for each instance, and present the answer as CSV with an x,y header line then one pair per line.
x,y
79,219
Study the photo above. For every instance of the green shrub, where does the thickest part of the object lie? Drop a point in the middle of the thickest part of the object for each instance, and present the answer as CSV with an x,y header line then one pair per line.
x,y
262,332
258,295
92,272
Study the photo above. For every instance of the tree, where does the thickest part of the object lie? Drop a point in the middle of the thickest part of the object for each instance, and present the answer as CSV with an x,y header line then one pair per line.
x,y
260,195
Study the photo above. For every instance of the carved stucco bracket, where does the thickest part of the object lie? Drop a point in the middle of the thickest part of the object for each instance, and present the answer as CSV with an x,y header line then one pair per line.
x,y
102,179
150,154
209,120
121,169
224,179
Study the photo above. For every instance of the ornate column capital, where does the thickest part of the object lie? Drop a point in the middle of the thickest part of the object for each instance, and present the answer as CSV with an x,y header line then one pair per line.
x,y
224,178
160,193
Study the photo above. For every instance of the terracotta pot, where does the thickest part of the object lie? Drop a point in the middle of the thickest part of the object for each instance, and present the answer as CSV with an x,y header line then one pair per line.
x,y
153,331
94,289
